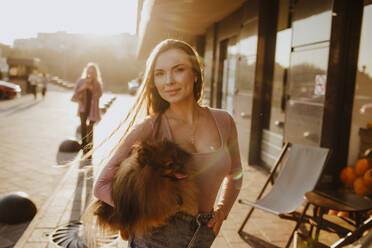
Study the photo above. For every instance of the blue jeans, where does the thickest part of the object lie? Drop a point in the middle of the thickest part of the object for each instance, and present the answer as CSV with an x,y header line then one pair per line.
x,y
177,233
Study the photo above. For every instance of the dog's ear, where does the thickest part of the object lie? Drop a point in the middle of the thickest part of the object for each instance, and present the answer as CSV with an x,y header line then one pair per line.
x,y
144,152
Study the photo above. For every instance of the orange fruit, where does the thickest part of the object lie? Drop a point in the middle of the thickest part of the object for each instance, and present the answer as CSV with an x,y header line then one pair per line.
x,y
332,212
348,175
343,214
367,178
362,166
360,188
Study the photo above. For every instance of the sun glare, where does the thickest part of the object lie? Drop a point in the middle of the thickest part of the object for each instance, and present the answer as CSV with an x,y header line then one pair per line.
x,y
24,18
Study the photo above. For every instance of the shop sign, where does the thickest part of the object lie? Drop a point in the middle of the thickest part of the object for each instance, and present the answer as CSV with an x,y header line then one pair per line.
x,y
320,84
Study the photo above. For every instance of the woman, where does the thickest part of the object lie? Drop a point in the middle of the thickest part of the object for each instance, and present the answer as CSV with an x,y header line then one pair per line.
x,y
87,93
44,84
172,88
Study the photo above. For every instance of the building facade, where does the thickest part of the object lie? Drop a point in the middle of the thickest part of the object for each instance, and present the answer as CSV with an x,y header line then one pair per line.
x,y
288,70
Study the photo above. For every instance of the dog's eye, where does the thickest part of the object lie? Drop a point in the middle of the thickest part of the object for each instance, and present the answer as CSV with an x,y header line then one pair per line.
x,y
169,164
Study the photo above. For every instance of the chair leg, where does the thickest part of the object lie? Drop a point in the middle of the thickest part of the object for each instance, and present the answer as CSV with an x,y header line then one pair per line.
x,y
319,223
297,224
245,220
311,224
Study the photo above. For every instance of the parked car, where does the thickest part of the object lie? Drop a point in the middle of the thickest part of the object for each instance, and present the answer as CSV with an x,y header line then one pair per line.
x,y
9,90
133,86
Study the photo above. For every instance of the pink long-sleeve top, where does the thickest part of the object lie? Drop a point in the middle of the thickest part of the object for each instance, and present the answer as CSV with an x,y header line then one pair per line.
x,y
81,99
219,167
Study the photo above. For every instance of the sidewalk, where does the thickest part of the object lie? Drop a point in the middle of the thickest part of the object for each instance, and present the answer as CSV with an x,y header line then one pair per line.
x,y
73,192
31,132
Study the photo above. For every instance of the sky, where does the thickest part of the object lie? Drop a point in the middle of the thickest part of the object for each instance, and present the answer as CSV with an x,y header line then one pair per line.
x,y
26,18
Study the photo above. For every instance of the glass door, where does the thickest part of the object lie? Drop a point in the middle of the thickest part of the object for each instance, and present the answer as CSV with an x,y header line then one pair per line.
x,y
272,137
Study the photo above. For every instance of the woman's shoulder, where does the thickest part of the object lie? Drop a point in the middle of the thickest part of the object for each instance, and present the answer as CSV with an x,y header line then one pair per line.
x,y
80,81
220,114
225,122
142,130
146,124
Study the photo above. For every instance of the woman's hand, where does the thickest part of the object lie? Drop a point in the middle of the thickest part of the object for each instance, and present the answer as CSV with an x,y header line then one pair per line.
x,y
216,222
88,84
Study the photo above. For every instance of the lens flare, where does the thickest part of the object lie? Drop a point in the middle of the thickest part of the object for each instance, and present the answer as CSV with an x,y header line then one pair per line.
x,y
237,175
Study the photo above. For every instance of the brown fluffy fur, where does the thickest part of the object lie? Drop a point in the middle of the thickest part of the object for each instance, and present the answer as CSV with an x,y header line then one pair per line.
x,y
146,191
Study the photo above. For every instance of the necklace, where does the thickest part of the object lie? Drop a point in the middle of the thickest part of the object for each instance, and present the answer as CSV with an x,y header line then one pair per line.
x,y
194,129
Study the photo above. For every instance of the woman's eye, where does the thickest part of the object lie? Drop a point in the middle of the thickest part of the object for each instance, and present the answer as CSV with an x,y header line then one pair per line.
x,y
158,73
180,69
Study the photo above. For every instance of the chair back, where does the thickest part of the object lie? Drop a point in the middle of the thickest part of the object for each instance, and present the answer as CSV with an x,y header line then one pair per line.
x,y
299,175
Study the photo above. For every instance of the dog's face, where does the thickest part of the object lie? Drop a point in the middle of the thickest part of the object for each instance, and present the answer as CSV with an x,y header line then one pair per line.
x,y
164,158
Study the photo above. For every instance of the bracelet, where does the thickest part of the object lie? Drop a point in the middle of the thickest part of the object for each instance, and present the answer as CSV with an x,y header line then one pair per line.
x,y
220,209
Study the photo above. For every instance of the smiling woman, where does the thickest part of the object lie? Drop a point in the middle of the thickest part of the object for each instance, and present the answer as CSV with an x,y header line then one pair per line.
x,y
170,95
94,16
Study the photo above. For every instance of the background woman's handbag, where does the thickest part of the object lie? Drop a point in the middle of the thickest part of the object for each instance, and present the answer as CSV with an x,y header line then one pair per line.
x,y
75,97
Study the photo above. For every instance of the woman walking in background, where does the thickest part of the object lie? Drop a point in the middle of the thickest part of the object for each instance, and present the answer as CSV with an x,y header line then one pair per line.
x,y
44,84
33,80
171,92
87,93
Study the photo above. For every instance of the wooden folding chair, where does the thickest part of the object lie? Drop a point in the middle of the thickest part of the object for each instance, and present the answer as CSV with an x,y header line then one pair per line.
x,y
299,174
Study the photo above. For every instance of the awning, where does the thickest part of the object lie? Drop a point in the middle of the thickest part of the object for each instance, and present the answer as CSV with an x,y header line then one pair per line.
x,y
185,19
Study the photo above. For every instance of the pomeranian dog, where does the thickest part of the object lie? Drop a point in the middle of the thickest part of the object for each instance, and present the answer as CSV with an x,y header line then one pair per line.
x,y
150,186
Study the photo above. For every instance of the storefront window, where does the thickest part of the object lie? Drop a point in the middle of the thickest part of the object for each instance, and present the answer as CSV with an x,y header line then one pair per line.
x,y
361,126
307,71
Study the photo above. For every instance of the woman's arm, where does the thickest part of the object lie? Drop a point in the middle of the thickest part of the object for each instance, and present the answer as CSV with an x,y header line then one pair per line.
x,y
80,86
97,90
233,180
103,186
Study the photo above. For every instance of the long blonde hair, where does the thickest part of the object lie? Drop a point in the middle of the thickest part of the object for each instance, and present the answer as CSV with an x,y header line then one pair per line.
x,y
98,71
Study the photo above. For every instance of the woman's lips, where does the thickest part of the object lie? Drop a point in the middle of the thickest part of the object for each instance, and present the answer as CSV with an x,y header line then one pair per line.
x,y
172,92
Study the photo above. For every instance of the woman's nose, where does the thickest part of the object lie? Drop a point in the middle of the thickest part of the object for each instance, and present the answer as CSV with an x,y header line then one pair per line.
x,y
169,78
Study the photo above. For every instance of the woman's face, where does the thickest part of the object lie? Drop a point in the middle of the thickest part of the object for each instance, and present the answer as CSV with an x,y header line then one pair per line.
x,y
173,76
91,72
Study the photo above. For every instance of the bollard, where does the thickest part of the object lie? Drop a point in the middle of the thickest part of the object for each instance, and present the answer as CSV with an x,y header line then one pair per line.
x,y
70,145
16,208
